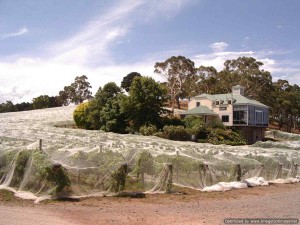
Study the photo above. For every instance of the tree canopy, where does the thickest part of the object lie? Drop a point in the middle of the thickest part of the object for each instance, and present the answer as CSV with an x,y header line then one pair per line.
x,y
128,79
177,71
77,92
145,102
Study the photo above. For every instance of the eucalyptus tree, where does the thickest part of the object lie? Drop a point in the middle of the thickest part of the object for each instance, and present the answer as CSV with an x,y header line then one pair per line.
x,y
248,72
77,92
206,80
177,70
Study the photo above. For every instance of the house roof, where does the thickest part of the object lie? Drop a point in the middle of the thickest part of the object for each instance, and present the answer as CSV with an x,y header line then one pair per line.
x,y
237,99
238,86
200,110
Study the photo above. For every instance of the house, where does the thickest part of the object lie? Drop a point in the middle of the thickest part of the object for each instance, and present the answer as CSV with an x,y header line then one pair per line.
x,y
234,110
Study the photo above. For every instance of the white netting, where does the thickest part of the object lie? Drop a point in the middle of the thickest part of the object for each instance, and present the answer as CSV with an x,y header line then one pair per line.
x,y
80,162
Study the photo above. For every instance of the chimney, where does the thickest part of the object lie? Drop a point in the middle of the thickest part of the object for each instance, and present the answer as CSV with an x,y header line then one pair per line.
x,y
238,90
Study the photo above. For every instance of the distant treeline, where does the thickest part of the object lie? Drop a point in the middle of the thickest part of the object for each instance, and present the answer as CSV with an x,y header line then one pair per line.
x,y
76,93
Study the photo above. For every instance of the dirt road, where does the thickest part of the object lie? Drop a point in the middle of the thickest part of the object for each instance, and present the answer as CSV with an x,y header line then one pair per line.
x,y
276,201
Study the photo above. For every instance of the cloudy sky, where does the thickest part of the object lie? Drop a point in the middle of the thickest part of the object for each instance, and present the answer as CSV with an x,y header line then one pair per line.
x,y
45,44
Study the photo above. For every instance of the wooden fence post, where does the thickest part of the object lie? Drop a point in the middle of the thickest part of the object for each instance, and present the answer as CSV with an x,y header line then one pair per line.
x,y
41,145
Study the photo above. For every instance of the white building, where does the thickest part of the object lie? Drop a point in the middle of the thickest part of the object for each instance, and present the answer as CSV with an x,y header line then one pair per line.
x,y
234,110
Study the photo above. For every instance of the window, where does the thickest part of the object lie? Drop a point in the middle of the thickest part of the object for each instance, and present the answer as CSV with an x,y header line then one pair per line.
x,y
240,115
197,104
229,101
225,119
258,117
217,102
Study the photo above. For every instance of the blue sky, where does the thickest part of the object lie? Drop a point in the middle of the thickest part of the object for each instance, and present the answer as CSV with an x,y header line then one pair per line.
x,y
45,44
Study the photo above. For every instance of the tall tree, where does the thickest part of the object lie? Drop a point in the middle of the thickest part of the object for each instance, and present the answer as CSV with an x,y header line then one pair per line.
x,y
206,80
77,92
65,96
127,80
177,71
247,72
145,102
82,89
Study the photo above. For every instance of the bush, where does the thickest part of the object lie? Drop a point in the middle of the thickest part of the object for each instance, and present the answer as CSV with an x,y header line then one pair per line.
x,y
228,137
216,124
176,133
80,116
192,121
195,126
166,121
148,130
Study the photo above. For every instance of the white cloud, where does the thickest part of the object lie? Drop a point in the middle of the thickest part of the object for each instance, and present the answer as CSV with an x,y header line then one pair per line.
x,y
20,32
28,78
92,43
158,9
219,46
279,70
86,52
217,59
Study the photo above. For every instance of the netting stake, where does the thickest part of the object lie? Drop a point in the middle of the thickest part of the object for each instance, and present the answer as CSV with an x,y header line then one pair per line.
x,y
169,179
238,172
41,145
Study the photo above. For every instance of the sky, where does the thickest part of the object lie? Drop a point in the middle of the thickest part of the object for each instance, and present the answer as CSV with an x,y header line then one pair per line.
x,y
45,44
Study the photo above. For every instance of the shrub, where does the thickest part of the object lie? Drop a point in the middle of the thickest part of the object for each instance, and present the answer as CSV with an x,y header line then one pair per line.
x,y
195,126
177,133
216,124
192,121
229,137
148,130
80,115
166,121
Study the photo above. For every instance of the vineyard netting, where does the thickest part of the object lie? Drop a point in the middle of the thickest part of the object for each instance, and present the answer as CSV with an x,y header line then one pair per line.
x,y
43,156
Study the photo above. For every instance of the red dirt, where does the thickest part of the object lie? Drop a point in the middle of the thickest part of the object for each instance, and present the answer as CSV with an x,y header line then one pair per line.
x,y
276,201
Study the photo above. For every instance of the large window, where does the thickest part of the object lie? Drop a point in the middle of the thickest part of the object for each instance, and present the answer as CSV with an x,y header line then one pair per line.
x,y
240,114
225,119
258,116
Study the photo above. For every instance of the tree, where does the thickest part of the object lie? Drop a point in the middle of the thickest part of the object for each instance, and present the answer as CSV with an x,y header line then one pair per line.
x,y
206,80
285,104
44,101
177,71
246,71
7,107
65,97
77,92
127,80
104,112
24,106
145,102
41,102
81,89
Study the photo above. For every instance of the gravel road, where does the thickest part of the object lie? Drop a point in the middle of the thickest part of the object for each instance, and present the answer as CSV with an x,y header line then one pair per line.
x,y
276,201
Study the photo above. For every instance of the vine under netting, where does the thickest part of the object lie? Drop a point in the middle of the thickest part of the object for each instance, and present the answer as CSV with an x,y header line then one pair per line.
x,y
74,162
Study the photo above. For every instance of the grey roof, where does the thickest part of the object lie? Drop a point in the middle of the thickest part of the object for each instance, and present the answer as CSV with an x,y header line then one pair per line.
x,y
200,110
237,99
